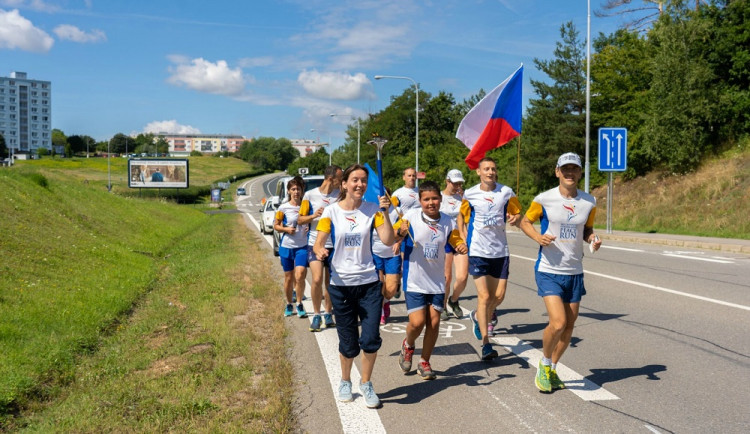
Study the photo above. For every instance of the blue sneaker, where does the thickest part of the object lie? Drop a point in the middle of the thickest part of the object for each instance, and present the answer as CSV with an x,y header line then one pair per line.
x,y
328,320
315,325
371,399
301,311
488,353
289,311
477,332
345,391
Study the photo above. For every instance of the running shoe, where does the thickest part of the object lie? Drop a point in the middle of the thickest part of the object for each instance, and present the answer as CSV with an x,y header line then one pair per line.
x,y
490,330
289,311
457,311
404,359
555,381
387,309
425,371
301,311
494,318
542,378
328,320
315,324
477,332
371,399
488,353
444,315
398,292
383,320
345,391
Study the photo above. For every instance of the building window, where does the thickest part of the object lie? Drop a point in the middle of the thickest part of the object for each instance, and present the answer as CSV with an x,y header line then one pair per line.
x,y
45,94
44,85
45,102
12,91
33,101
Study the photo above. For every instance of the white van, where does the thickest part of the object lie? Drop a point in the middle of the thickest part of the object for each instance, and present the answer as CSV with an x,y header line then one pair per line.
x,y
311,181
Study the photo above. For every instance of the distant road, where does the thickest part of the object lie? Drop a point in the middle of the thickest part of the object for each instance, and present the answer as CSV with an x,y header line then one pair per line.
x,y
661,345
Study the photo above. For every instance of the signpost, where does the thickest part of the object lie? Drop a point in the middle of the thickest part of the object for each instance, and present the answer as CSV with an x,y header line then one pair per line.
x,y
613,157
302,171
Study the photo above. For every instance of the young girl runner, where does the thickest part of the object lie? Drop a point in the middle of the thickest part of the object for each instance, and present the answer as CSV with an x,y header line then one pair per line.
x,y
293,247
355,289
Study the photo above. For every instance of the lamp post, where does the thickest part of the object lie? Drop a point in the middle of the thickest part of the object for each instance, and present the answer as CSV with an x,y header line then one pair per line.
x,y
358,132
587,169
416,111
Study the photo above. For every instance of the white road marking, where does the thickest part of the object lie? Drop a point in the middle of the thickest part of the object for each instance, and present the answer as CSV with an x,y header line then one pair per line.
x,y
720,261
576,383
658,288
652,429
621,248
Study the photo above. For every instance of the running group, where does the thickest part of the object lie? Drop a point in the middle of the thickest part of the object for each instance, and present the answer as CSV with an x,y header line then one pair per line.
x,y
362,254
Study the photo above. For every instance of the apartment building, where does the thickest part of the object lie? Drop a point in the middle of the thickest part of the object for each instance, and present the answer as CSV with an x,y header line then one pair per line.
x,y
25,113
184,144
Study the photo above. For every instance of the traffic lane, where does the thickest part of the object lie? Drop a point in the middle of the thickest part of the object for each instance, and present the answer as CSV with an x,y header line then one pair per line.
x,y
728,282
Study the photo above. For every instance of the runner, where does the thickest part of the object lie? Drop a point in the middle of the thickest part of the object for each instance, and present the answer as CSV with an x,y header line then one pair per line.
x,y
451,206
313,203
293,246
486,209
407,197
567,220
388,263
355,288
424,260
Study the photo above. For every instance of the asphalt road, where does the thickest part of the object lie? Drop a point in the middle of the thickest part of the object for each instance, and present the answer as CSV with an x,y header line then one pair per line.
x,y
661,345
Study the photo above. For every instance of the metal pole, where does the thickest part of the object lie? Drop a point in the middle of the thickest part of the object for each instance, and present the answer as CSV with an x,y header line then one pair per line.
x,y
588,95
610,186
358,139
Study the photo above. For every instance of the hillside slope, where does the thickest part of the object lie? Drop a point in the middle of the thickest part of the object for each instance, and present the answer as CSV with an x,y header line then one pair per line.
x,y
713,201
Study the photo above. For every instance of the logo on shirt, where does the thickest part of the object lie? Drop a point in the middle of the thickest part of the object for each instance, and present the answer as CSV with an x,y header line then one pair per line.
x,y
491,201
352,223
352,240
571,211
433,233
568,231
326,201
430,250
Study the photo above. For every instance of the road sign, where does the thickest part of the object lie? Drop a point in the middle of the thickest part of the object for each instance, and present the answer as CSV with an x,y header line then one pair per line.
x,y
421,175
613,145
302,170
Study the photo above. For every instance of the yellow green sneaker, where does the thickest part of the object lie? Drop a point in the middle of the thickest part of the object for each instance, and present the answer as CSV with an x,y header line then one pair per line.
x,y
542,378
555,381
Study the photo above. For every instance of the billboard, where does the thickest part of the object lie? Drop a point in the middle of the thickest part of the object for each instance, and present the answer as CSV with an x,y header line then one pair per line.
x,y
157,173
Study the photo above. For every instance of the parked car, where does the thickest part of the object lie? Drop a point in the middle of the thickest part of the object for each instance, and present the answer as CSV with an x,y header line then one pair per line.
x,y
241,191
311,181
268,212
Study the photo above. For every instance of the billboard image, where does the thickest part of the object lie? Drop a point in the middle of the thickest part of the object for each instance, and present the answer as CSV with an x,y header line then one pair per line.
x,y
158,173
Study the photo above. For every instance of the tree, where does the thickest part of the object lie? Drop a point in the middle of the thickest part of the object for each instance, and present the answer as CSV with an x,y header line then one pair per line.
x,y
119,142
59,139
268,153
642,15
555,121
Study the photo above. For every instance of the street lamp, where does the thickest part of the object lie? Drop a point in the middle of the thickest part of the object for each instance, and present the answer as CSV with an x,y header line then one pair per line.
x,y
358,131
416,111
587,169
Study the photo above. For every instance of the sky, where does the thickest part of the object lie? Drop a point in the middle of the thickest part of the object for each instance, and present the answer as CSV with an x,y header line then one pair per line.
x,y
269,68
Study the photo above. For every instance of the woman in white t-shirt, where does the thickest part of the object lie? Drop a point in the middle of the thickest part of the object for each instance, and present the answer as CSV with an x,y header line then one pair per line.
x,y
451,205
355,289
293,246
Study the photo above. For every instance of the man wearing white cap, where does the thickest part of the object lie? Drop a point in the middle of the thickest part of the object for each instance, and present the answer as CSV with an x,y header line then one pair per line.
x,y
451,206
567,220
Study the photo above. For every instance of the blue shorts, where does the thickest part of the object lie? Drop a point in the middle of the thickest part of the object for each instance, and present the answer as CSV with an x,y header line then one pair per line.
x,y
569,288
388,265
292,257
312,257
417,301
494,267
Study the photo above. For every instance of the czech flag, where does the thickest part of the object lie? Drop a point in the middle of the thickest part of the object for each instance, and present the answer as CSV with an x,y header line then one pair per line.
x,y
493,122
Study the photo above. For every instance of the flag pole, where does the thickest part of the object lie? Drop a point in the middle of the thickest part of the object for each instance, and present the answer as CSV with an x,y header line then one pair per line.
x,y
518,167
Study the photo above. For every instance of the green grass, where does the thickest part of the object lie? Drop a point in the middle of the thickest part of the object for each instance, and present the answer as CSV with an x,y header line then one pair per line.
x,y
714,201
126,311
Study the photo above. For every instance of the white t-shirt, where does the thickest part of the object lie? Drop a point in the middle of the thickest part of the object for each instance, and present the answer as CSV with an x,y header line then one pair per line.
x,y
351,262
565,218
485,213
450,205
288,214
424,262
406,198
311,201
378,248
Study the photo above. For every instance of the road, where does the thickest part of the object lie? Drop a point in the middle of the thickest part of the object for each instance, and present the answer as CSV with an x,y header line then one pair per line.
x,y
661,345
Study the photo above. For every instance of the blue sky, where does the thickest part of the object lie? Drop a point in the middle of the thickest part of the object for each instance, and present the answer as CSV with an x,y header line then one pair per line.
x,y
268,68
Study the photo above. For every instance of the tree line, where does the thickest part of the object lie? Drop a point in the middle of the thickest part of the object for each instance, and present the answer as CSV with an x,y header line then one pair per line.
x,y
681,87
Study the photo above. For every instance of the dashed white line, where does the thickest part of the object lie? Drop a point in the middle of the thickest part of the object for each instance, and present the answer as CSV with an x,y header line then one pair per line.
x,y
720,261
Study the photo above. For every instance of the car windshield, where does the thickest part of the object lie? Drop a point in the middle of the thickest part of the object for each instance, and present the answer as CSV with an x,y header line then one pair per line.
x,y
312,183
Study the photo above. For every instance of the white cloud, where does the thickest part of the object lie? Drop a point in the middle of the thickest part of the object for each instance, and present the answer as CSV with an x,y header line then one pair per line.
x,y
16,32
171,126
334,85
73,33
37,5
204,76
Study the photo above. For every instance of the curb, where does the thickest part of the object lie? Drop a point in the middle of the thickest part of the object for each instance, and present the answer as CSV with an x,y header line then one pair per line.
x,y
694,243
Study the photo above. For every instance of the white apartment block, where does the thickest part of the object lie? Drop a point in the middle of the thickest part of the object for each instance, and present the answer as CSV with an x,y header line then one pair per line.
x,y
306,146
25,113
184,144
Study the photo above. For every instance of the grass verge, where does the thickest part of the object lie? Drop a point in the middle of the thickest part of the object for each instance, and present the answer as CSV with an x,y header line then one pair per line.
x,y
128,315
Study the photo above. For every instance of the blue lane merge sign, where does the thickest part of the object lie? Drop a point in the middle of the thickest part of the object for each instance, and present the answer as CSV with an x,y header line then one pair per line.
x,y
613,146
